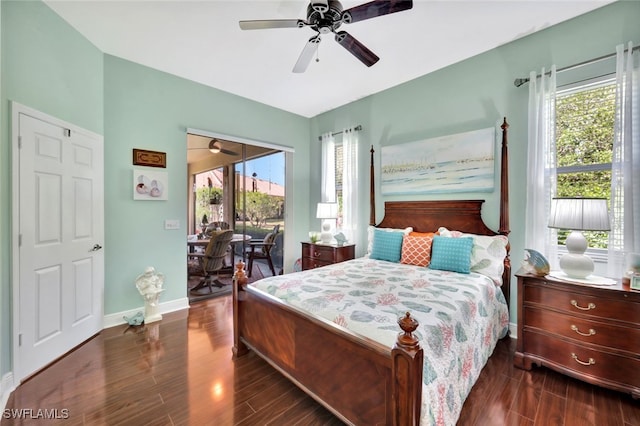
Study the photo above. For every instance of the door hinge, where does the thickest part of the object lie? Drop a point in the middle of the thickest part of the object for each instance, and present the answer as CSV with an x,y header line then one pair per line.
x,y
67,132
20,339
19,240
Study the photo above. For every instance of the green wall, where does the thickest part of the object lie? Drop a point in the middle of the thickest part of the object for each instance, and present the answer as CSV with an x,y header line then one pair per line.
x,y
148,109
48,66
476,94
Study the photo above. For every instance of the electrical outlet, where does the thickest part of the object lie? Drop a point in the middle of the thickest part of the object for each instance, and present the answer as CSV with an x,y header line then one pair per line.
x,y
172,224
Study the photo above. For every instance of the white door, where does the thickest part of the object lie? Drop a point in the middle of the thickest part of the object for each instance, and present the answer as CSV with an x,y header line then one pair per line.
x,y
59,292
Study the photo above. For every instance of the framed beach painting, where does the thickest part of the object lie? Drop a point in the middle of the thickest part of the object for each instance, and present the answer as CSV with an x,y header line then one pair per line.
x,y
463,162
150,185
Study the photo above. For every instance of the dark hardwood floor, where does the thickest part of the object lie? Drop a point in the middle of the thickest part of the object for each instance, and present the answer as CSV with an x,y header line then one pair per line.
x,y
180,372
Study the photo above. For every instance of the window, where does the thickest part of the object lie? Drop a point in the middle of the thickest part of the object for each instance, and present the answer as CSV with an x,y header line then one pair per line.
x,y
584,144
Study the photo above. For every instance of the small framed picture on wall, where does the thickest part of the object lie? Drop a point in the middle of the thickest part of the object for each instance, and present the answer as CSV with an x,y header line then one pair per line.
x,y
150,185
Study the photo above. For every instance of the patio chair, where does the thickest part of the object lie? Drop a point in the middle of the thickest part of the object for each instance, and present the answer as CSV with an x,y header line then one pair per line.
x,y
211,261
261,249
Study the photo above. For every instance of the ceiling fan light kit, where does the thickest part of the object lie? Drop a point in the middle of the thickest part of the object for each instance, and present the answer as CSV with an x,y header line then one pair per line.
x,y
326,16
214,146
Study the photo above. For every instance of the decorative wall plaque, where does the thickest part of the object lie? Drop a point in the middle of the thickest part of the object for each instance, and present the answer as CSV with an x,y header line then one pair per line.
x,y
143,157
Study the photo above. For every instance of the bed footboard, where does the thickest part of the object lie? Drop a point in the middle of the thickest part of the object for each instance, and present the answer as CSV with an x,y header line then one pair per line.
x,y
359,380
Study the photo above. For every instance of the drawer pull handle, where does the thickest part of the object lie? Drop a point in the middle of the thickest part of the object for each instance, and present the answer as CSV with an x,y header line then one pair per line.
x,y
590,362
590,333
590,306
316,254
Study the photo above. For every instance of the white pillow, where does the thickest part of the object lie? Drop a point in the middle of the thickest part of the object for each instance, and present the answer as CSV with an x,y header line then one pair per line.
x,y
370,233
487,254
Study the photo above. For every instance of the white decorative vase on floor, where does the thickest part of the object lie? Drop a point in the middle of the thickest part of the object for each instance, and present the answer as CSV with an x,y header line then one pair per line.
x,y
149,285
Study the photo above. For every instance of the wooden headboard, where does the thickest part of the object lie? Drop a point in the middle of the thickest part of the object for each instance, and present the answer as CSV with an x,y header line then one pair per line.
x,y
428,216
460,215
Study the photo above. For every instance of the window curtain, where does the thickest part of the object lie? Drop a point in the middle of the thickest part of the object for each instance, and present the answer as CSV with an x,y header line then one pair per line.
x,y
541,164
624,236
328,178
350,184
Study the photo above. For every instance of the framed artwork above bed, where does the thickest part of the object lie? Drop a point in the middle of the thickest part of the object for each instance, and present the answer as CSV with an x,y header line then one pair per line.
x,y
463,162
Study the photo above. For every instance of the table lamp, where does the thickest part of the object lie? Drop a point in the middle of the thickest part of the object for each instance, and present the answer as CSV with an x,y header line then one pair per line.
x,y
326,212
577,215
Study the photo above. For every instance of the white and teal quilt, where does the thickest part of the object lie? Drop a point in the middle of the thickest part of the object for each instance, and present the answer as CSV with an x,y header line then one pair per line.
x,y
461,318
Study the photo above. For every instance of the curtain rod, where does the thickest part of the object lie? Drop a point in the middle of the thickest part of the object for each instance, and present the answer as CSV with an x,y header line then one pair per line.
x,y
520,81
357,129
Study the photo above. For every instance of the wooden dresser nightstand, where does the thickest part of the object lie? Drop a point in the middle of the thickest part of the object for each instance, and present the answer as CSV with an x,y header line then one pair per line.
x,y
588,332
316,255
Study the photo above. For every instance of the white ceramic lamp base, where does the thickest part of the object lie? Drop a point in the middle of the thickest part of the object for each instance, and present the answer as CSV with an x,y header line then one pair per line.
x,y
325,235
575,263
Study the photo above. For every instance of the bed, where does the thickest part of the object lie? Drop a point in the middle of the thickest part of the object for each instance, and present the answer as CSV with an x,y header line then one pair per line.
x,y
333,332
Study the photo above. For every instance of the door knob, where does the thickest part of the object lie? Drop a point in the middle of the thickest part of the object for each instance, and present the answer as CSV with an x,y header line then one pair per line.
x,y
96,247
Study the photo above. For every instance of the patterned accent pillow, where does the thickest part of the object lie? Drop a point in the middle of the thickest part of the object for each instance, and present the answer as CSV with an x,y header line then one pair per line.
x,y
416,248
387,245
451,254
487,255
370,230
423,234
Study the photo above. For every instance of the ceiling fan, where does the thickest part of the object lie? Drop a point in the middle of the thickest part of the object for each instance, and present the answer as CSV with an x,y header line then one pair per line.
x,y
215,147
326,16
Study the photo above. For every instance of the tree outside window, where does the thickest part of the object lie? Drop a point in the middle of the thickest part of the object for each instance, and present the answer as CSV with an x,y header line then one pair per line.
x,y
584,145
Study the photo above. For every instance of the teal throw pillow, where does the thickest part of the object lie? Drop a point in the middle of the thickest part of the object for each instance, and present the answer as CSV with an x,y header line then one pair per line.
x,y
386,245
451,254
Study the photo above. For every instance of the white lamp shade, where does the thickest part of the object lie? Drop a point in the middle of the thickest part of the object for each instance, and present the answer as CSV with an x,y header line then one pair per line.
x,y
579,214
327,211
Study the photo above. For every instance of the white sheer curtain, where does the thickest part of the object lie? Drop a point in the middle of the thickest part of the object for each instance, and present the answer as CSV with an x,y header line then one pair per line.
x,y
350,184
328,178
624,236
541,164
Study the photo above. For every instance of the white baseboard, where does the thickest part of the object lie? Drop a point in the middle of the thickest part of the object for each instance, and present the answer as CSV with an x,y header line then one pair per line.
x,y
6,387
112,320
513,330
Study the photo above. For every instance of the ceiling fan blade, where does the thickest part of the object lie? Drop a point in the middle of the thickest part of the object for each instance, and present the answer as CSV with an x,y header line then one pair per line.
x,y
228,152
271,23
356,48
307,53
375,8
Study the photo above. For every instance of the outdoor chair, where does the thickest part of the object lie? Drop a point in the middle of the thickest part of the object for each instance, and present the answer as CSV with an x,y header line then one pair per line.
x,y
211,261
261,249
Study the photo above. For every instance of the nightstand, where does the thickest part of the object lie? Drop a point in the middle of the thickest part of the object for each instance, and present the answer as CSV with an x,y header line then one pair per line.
x,y
316,255
588,332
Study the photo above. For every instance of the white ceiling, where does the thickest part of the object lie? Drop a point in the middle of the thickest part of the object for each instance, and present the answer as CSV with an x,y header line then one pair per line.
x,y
202,41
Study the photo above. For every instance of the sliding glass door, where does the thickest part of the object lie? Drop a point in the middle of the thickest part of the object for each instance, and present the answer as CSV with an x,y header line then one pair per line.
x,y
238,186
